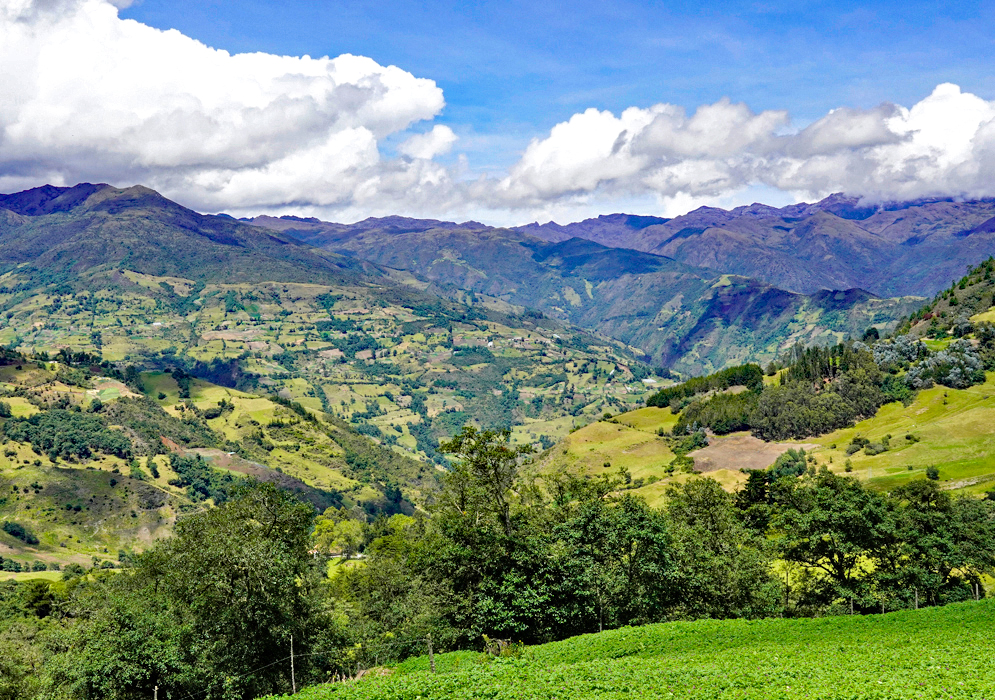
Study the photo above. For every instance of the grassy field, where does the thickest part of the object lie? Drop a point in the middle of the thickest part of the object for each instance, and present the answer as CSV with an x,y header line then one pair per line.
x,y
935,653
952,429
30,575
629,441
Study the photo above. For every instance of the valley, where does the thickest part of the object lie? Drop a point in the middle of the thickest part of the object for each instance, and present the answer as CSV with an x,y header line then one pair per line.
x,y
424,428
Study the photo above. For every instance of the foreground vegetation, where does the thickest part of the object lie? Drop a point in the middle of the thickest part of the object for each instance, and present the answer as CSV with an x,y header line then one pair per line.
x,y
938,653
500,555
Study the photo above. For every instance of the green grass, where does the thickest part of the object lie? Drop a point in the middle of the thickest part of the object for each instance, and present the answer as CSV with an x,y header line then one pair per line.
x,y
29,575
936,653
956,431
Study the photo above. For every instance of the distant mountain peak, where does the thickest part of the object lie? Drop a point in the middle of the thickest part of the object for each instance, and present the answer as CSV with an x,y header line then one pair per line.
x,y
49,199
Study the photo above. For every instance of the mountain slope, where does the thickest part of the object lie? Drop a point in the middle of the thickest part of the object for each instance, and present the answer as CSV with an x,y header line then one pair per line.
x,y
894,249
64,233
681,316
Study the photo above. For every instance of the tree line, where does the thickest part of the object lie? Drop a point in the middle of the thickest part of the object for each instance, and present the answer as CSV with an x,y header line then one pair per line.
x,y
502,552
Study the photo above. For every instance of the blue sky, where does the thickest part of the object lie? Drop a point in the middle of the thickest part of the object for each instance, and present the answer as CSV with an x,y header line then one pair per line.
x,y
503,112
511,70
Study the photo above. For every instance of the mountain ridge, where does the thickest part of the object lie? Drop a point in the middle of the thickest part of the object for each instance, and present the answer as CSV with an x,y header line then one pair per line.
x,y
911,248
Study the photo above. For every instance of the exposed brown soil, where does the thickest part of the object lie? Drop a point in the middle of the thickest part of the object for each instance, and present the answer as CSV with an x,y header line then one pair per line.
x,y
740,452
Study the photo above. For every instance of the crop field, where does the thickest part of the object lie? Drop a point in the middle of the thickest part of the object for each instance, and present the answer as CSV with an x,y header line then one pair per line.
x,y
936,653
410,375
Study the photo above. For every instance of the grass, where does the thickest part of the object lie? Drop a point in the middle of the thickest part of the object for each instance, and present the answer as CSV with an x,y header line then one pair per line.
x,y
30,575
935,653
955,430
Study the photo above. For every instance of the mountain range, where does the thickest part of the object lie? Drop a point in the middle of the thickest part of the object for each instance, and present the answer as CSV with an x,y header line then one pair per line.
x,y
688,317
693,293
892,249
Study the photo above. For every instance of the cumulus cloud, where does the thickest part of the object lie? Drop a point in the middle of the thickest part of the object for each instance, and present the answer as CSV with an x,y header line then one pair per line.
x,y
426,146
943,145
88,96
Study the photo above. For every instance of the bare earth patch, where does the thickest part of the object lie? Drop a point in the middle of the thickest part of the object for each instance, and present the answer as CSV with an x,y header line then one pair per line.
x,y
740,452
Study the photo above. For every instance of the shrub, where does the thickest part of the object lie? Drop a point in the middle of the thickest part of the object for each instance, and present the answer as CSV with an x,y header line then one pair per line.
x,y
20,532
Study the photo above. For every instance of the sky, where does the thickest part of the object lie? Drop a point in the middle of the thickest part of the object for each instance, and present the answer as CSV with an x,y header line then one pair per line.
x,y
504,112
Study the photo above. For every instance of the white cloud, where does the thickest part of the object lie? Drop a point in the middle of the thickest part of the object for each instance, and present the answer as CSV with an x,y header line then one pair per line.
x,y
426,146
89,96
943,145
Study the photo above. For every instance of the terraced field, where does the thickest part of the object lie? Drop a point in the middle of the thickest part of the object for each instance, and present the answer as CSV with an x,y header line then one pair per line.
x,y
409,372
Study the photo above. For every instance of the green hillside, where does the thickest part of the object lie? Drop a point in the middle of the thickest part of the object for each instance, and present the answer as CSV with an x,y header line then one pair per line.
x,y
132,277
686,318
85,500
952,430
938,653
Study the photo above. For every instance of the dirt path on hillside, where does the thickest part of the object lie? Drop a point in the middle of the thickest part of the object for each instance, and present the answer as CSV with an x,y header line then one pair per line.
x,y
740,452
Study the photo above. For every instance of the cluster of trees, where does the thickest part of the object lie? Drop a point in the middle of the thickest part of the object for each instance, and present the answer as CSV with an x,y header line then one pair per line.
x,y
854,548
513,556
826,388
69,434
502,553
205,613
750,376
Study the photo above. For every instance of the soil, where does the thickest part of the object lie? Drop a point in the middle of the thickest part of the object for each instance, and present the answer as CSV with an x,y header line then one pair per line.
x,y
740,452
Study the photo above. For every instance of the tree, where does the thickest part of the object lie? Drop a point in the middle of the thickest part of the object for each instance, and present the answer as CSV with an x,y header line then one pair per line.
x,y
942,544
486,475
831,525
723,568
208,609
336,533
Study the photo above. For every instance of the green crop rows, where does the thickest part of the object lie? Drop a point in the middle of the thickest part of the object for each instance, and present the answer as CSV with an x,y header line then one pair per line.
x,y
937,653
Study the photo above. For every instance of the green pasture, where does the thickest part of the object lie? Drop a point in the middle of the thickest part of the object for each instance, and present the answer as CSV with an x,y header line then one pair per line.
x,y
30,575
932,653
955,430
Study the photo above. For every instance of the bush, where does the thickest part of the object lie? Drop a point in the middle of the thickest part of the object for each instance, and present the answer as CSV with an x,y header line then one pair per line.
x,y
20,532
933,473
72,571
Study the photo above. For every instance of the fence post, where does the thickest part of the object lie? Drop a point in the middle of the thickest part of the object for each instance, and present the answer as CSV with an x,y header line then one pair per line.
x,y
293,679
431,656
851,605
917,598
